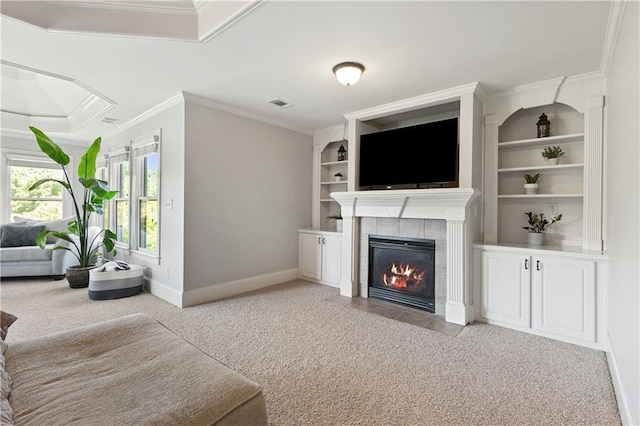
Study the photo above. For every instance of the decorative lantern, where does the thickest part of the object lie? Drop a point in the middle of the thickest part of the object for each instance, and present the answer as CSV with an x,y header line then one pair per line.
x,y
543,126
342,153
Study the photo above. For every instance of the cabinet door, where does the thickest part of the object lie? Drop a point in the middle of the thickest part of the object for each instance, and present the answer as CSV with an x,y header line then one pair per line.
x,y
564,297
310,255
331,259
506,286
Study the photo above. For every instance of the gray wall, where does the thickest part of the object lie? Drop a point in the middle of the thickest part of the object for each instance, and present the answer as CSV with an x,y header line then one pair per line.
x,y
169,270
246,194
623,207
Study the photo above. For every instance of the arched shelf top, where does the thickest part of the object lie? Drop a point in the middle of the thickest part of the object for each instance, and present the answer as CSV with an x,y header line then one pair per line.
x,y
521,124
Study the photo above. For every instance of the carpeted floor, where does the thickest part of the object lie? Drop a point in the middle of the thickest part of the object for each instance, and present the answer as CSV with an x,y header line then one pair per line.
x,y
322,362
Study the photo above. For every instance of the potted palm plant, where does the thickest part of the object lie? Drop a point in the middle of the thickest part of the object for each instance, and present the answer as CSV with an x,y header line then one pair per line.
x,y
538,224
95,193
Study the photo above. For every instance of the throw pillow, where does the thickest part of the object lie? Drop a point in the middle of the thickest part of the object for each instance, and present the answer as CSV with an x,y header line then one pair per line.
x,y
19,235
6,319
59,225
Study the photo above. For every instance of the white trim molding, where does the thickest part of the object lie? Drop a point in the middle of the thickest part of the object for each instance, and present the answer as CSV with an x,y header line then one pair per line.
x,y
621,396
163,291
611,37
220,291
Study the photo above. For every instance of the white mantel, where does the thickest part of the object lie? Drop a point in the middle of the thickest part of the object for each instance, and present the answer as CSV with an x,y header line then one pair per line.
x,y
450,204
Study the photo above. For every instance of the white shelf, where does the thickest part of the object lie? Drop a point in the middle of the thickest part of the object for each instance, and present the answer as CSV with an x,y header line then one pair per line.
x,y
574,137
540,196
538,168
327,200
333,182
334,163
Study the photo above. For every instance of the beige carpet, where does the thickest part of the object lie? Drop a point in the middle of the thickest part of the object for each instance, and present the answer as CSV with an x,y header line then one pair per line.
x,y
322,362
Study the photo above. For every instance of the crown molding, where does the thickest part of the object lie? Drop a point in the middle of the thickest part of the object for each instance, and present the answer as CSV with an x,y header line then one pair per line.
x,y
174,100
410,104
216,105
611,37
153,7
229,21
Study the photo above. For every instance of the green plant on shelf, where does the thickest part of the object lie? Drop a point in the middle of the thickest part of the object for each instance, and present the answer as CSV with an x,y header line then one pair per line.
x,y
552,152
532,179
538,223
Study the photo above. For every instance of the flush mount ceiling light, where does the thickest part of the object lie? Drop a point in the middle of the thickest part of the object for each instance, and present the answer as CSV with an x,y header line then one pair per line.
x,y
348,73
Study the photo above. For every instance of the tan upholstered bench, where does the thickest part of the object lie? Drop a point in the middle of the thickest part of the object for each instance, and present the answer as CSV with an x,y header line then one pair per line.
x,y
127,371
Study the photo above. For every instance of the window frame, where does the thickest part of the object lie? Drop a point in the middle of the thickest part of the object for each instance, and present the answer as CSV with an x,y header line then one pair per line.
x,y
15,158
116,158
141,148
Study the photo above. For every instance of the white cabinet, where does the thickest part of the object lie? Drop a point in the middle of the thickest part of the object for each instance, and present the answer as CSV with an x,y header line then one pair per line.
x,y
320,256
564,297
506,288
555,294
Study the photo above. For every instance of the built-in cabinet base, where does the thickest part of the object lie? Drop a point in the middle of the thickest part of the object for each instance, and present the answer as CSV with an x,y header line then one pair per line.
x,y
549,292
320,256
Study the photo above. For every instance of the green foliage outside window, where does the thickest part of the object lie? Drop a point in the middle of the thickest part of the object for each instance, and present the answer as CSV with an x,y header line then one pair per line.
x,y
44,202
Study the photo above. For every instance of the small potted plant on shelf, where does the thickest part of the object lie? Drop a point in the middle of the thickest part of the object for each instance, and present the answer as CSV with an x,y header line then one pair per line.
x,y
337,177
538,224
338,218
531,185
553,154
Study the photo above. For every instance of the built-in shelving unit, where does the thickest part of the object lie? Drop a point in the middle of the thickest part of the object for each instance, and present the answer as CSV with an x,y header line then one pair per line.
x,y
326,144
572,187
561,185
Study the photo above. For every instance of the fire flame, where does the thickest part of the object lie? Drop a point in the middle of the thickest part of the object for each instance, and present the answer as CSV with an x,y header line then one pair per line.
x,y
403,276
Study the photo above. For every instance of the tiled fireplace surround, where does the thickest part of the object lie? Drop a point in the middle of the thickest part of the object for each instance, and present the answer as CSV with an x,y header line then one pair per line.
x,y
429,229
447,215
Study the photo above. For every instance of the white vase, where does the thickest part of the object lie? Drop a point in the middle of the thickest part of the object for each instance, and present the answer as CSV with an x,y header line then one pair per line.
x,y
535,238
530,188
553,161
338,225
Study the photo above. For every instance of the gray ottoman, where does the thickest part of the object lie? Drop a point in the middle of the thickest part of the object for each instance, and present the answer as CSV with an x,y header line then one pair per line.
x,y
115,284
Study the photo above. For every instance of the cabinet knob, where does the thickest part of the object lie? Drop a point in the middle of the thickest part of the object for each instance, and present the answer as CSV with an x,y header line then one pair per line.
x,y
319,240
537,265
323,240
526,264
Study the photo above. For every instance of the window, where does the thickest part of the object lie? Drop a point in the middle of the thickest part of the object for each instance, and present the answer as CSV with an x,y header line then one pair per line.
x,y
146,192
45,202
102,173
120,174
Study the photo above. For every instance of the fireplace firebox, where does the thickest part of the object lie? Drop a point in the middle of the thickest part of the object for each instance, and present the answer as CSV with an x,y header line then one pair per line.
x,y
402,270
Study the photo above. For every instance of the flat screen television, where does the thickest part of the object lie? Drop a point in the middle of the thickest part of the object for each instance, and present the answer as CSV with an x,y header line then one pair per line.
x,y
422,156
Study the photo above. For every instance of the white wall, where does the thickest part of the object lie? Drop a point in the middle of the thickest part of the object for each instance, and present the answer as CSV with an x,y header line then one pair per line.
x,y
167,273
28,145
247,192
623,211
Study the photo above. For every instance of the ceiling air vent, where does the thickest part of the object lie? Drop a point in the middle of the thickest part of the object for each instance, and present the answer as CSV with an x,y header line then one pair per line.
x,y
109,120
280,103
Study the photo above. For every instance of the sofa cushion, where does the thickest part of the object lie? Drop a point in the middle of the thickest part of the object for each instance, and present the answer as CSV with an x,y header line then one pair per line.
x,y
19,235
130,370
26,254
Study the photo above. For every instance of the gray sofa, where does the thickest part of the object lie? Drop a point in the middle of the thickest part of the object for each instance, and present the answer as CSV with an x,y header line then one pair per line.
x,y
31,260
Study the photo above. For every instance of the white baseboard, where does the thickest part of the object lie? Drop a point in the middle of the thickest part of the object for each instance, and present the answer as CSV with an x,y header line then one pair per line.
x,y
163,291
621,396
232,288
